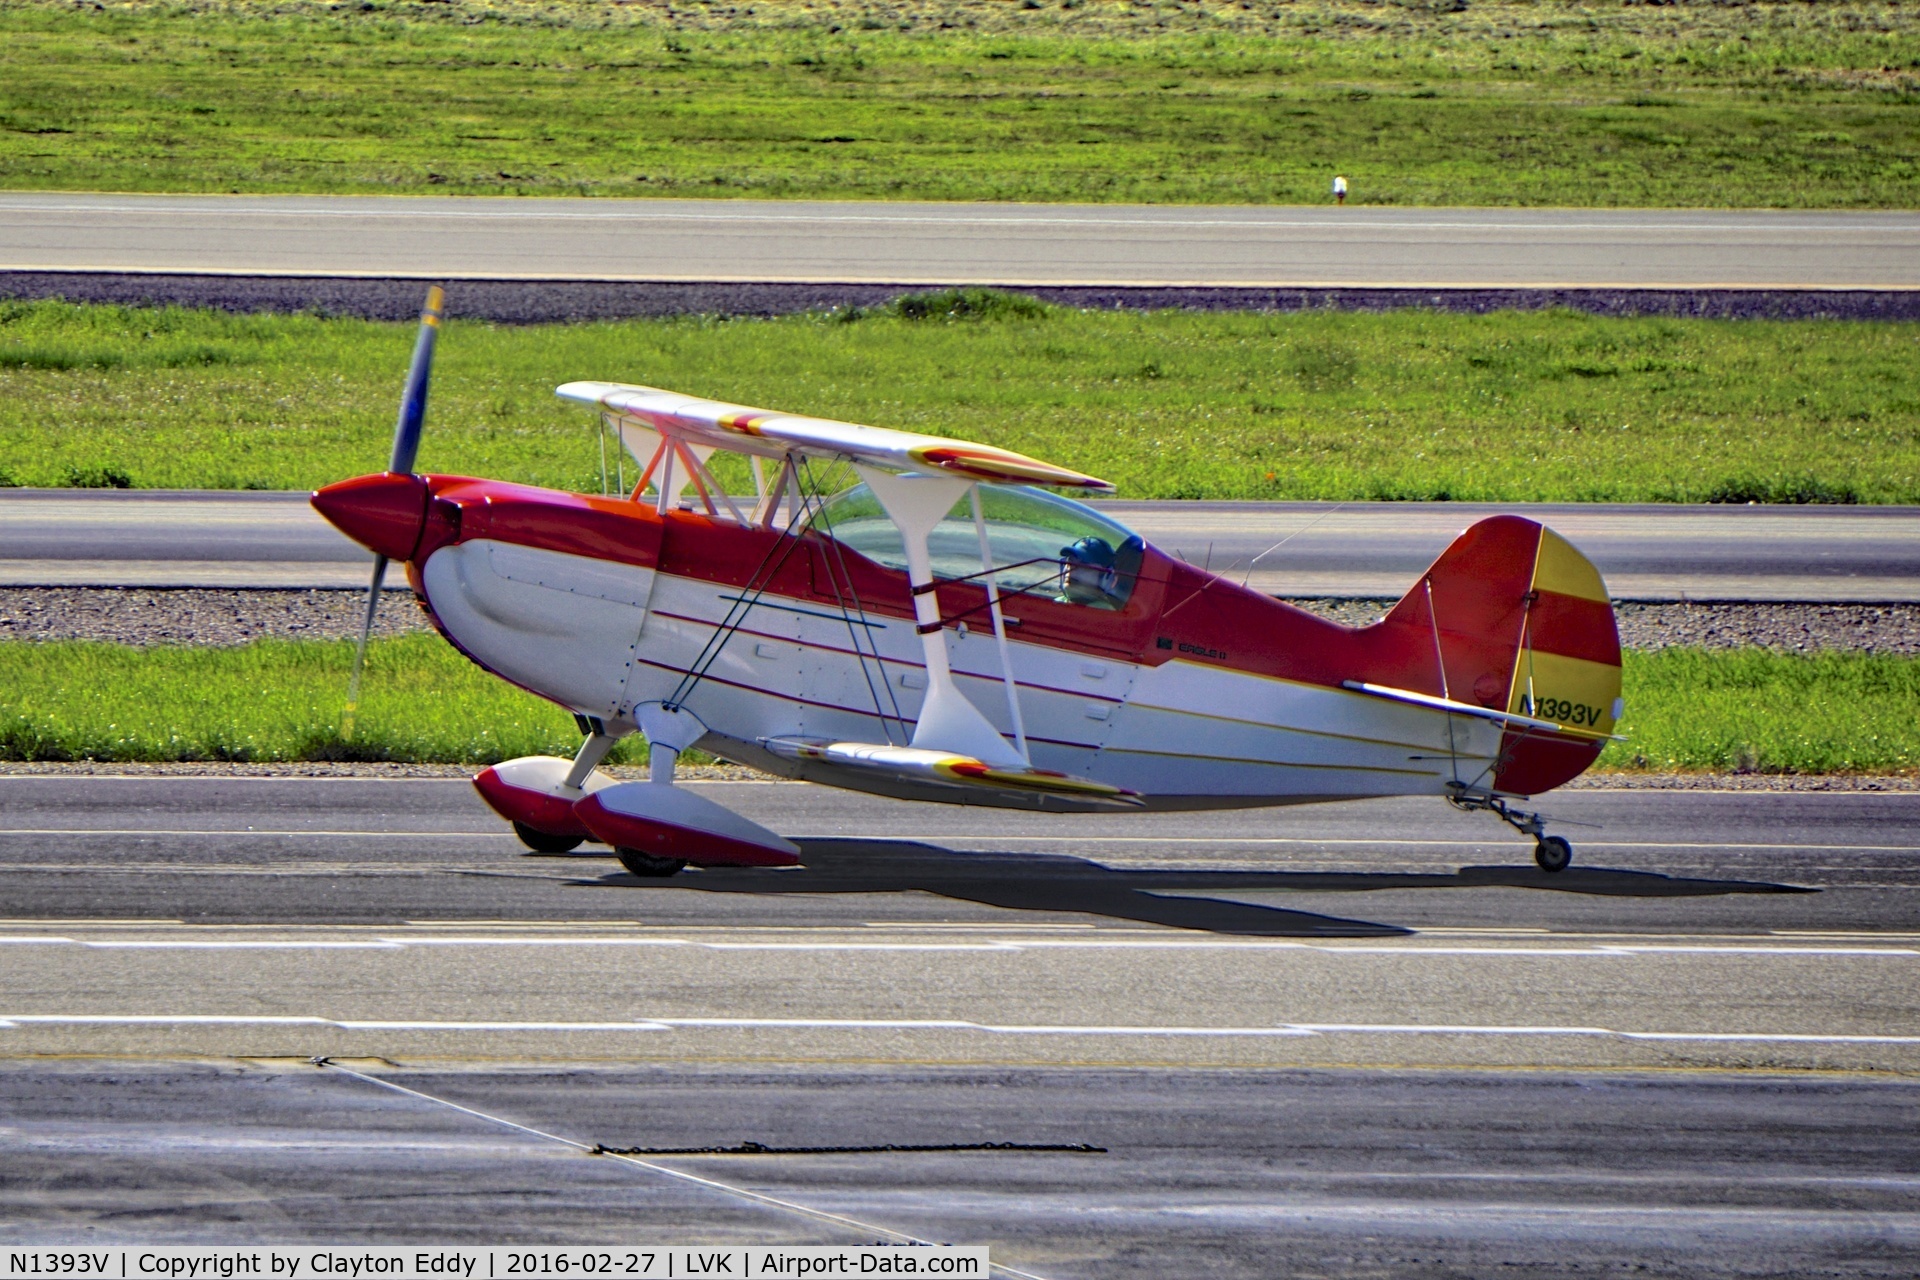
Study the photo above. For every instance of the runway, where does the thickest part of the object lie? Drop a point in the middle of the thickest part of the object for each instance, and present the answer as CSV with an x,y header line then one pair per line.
x,y
66,537
1004,244
398,918
1335,1040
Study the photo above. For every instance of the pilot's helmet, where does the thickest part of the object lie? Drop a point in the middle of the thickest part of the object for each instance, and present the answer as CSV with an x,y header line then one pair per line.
x,y
1096,552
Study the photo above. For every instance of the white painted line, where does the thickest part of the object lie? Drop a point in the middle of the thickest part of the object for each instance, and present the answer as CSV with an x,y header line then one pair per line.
x,y
757,1197
1307,842
249,831
1413,948
353,1025
1280,1030
1312,841
1013,1029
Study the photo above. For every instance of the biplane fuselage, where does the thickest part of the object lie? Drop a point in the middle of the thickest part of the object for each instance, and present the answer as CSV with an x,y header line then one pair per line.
x,y
1196,692
942,630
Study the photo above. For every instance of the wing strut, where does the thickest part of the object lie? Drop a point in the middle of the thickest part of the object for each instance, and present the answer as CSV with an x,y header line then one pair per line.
x,y
916,503
999,627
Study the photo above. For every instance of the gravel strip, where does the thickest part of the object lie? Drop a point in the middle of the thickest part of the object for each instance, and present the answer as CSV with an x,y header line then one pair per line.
x,y
202,616
1794,628
207,616
330,769
557,301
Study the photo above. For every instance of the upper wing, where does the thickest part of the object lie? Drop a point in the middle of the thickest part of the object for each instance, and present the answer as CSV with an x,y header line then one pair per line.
x,y
769,434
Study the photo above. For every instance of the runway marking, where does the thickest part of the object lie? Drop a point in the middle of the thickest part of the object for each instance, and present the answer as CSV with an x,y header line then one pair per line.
x,y
1348,840
1279,1030
249,831
923,837
1412,948
727,1188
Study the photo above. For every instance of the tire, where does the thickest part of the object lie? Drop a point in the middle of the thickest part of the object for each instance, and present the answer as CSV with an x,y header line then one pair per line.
x,y
545,841
648,866
1552,854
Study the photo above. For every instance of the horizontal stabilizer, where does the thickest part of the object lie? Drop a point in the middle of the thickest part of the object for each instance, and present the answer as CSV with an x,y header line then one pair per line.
x,y
918,764
1416,699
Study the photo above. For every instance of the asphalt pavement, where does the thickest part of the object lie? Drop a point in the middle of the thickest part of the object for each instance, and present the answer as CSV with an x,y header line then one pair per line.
x,y
1345,1040
1228,1174
1005,244
398,918
71,537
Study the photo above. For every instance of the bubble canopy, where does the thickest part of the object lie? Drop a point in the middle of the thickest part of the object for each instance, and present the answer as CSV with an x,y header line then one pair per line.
x,y
1039,542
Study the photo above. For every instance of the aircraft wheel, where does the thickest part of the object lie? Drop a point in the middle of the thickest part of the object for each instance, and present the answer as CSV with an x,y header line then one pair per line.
x,y
1552,853
645,864
544,841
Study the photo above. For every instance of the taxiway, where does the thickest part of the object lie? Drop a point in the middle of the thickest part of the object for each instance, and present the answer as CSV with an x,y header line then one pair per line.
x,y
1004,244
68,537
1345,1039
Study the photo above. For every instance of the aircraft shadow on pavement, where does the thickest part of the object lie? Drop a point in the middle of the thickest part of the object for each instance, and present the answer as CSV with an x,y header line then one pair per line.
x,y
1058,882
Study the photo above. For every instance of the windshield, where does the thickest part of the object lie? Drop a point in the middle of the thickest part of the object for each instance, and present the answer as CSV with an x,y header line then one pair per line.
x,y
1046,545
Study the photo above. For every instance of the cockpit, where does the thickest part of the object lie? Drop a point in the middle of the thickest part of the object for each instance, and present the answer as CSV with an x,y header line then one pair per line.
x,y
1038,544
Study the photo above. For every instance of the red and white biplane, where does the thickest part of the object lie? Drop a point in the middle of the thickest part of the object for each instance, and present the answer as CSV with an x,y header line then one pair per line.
x,y
929,619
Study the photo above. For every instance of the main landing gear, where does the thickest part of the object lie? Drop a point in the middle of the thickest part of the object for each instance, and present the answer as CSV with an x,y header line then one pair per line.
x,y
646,865
545,841
1550,853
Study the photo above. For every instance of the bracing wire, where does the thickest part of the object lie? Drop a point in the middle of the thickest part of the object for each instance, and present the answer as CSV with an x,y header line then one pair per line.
x,y
756,586
803,510
833,554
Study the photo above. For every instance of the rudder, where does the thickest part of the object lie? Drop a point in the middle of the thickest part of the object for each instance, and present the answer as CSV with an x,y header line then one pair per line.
x,y
1512,616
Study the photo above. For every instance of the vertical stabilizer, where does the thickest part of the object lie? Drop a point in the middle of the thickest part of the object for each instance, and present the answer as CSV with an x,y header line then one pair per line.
x,y
1512,616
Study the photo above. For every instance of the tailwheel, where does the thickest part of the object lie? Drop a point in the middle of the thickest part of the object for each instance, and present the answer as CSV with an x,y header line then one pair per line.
x,y
1552,853
645,864
545,841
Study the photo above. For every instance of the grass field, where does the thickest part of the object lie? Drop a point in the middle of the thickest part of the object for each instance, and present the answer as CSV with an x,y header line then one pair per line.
x,y
1573,102
280,700
1413,405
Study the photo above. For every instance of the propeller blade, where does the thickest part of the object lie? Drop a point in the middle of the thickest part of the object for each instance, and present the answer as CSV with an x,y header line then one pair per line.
x,y
406,446
360,650
413,404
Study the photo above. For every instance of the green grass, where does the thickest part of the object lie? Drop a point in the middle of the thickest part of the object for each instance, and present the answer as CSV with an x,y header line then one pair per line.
x,y
1411,405
1574,102
271,700
1752,710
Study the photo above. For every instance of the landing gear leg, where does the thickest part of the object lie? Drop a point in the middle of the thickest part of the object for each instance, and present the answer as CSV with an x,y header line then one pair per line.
x,y
1550,853
592,751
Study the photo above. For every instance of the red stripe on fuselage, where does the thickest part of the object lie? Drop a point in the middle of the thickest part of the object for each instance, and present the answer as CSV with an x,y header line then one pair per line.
x,y
1175,611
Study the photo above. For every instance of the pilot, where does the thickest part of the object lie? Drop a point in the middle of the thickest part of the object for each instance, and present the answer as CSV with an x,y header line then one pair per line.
x,y
1090,573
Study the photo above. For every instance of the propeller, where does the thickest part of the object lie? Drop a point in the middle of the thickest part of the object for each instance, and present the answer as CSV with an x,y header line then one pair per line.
x,y
406,446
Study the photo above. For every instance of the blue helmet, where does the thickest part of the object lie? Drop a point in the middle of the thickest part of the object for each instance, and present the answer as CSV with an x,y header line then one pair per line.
x,y
1096,552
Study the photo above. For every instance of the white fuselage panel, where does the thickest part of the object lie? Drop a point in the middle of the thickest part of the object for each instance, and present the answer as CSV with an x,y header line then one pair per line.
x,y
564,626
601,638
